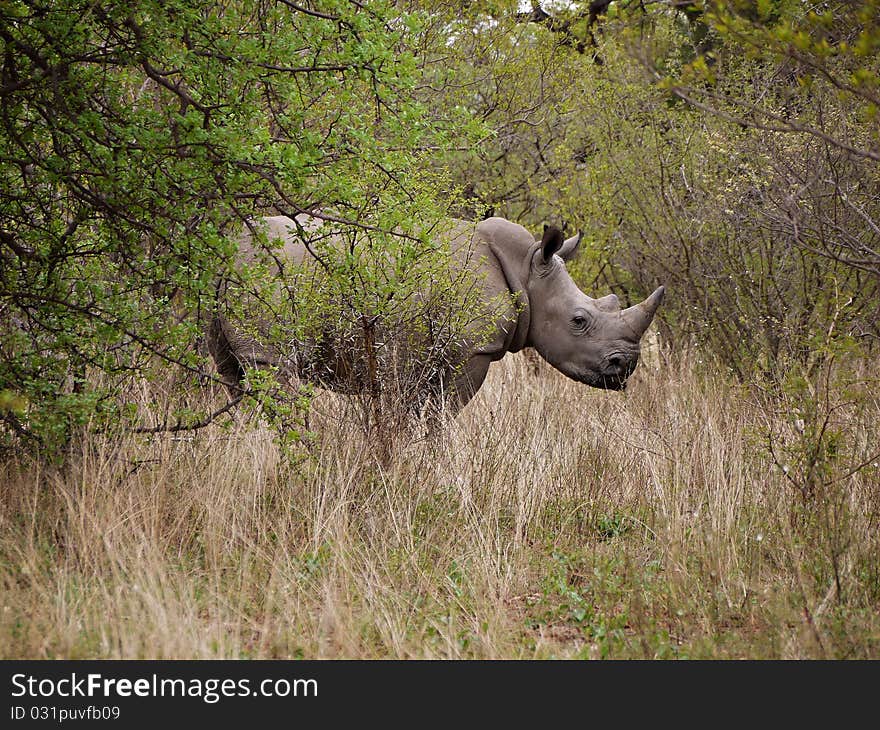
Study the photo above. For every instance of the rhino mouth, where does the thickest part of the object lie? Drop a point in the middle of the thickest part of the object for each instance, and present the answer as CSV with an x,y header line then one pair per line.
x,y
602,382
606,383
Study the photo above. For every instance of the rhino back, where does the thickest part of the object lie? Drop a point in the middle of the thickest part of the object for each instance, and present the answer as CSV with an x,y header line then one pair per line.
x,y
470,245
278,227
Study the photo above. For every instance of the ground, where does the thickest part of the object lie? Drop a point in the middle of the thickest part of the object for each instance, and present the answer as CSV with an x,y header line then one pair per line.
x,y
548,520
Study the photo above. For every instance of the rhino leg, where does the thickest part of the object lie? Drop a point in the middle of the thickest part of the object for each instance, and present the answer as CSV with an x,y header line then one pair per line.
x,y
467,382
235,353
222,351
446,398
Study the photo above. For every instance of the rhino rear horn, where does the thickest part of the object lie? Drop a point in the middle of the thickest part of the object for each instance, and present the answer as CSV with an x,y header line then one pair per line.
x,y
639,316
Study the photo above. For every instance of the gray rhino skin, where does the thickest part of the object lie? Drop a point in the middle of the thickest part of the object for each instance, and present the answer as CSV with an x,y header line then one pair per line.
x,y
592,341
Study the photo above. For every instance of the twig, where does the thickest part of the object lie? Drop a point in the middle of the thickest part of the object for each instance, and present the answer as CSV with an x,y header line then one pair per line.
x,y
180,426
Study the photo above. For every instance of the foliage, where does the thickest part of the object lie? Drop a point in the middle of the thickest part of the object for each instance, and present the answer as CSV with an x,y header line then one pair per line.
x,y
724,150
765,233
137,139
802,55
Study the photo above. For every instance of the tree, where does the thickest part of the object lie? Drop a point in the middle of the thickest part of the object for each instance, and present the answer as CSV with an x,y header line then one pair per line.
x,y
137,139
827,53
795,91
766,237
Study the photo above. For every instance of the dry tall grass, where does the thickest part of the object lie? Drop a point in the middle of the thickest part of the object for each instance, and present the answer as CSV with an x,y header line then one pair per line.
x,y
550,520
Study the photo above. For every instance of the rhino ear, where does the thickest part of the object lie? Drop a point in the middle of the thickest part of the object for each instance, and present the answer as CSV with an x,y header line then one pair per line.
x,y
570,247
551,242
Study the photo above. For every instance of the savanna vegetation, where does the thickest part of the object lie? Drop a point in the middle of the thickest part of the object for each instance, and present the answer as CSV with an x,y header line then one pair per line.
x,y
726,505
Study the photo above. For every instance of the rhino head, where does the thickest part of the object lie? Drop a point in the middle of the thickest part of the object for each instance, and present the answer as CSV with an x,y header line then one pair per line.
x,y
592,341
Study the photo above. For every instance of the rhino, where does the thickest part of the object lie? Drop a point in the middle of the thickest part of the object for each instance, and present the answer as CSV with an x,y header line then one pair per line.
x,y
592,341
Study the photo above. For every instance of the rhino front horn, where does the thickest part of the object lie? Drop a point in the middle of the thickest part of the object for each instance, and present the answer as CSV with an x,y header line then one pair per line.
x,y
639,316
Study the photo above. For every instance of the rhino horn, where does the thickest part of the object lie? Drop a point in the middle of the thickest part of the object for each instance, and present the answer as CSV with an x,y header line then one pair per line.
x,y
639,316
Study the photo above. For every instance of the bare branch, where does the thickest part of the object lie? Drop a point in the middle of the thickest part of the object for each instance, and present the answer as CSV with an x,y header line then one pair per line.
x,y
180,426
782,125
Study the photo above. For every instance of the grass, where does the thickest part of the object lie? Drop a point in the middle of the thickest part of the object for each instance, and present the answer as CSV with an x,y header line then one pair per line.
x,y
549,520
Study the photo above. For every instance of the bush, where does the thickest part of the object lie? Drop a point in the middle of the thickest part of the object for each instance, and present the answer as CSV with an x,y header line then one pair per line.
x,y
136,142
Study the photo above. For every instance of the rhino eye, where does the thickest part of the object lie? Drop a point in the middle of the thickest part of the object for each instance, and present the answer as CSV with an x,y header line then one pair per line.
x,y
579,322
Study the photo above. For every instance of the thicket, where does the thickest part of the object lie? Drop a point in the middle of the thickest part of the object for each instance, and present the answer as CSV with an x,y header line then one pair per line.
x,y
136,141
727,150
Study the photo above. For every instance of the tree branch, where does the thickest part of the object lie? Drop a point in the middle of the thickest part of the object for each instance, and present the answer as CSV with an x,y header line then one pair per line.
x,y
180,426
563,28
